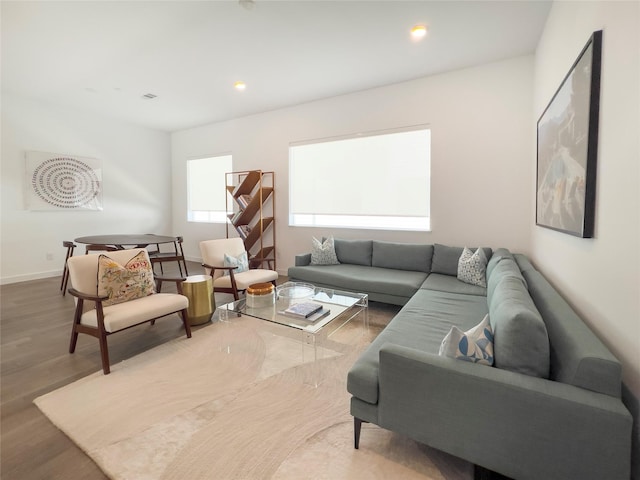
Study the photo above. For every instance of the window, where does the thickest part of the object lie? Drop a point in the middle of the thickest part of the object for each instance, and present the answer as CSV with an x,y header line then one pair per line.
x,y
206,193
372,181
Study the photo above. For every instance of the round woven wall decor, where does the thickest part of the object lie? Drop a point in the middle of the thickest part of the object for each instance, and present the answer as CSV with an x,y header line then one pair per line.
x,y
65,182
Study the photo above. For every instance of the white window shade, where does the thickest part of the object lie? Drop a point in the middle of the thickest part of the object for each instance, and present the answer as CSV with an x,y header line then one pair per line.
x,y
206,188
376,181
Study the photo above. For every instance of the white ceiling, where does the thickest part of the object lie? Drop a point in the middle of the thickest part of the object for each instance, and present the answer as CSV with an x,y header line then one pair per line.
x,y
103,56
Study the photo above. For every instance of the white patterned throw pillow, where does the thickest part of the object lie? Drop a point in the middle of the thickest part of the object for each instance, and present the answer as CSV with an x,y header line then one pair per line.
x,y
472,267
474,345
125,282
241,262
323,253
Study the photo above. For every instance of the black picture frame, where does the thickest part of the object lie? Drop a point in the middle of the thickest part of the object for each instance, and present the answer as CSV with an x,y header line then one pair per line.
x,y
567,148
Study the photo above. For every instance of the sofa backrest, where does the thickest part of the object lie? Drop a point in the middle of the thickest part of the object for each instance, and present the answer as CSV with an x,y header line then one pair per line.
x,y
445,258
402,256
521,342
504,265
354,252
577,356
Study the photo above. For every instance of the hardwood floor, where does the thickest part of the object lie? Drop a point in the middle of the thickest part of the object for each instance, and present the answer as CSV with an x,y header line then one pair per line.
x,y
35,326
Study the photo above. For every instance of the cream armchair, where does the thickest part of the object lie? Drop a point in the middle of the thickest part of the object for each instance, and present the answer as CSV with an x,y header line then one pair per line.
x,y
95,316
213,252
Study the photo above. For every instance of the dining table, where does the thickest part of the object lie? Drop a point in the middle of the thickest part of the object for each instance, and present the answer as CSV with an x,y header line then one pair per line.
x,y
126,240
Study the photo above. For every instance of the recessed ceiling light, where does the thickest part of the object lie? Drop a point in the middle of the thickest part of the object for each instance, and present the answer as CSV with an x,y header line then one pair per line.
x,y
239,85
419,31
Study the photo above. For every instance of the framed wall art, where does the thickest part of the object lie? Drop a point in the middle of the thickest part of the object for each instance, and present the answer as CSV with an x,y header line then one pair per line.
x,y
62,182
567,148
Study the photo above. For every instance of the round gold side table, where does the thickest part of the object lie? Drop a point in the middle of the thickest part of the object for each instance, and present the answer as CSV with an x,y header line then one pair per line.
x,y
199,290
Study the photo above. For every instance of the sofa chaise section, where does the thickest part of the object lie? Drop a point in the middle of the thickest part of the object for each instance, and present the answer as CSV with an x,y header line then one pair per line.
x,y
550,407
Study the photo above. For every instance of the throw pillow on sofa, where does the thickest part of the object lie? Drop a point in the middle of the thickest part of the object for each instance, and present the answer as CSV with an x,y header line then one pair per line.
x,y
472,267
474,345
323,253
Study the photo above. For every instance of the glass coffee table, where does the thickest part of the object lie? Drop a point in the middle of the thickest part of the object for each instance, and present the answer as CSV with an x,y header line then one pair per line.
x,y
338,309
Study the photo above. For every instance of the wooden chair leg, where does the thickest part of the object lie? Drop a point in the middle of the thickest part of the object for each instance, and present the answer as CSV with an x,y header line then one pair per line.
x,y
65,271
74,339
65,281
185,322
76,322
64,275
180,268
184,262
104,353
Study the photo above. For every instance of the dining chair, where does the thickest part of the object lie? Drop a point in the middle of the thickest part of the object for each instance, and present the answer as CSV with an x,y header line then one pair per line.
x,y
98,248
70,246
159,257
123,296
228,278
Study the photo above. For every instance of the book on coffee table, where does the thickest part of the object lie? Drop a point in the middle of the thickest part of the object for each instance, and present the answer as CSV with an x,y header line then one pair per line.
x,y
303,310
323,312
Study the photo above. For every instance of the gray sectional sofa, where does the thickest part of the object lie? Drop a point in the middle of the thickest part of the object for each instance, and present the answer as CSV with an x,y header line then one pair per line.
x,y
549,407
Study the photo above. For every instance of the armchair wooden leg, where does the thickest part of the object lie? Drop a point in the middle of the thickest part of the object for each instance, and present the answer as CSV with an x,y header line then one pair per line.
x,y
104,353
74,339
74,329
185,322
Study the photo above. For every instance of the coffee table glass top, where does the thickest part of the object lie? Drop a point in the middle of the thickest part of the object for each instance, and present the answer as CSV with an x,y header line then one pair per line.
x,y
336,302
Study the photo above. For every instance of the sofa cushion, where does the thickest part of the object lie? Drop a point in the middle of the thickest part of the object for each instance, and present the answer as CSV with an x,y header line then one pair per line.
x,y
472,267
475,345
520,335
124,315
358,278
578,356
323,252
447,283
445,259
505,267
402,256
355,252
421,324
498,255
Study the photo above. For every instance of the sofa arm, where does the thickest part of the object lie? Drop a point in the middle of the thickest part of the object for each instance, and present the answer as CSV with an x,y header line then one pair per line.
x,y
302,260
517,425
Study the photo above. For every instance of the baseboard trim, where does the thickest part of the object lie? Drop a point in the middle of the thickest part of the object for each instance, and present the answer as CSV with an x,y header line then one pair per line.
x,y
29,277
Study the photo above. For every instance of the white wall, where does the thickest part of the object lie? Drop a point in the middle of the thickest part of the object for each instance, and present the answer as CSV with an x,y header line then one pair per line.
x,y
136,178
481,152
600,277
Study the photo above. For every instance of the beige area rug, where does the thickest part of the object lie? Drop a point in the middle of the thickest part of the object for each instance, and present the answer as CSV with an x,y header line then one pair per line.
x,y
232,403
